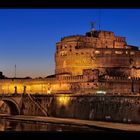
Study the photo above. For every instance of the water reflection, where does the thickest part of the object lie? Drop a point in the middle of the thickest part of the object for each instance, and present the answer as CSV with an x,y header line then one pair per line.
x,y
10,125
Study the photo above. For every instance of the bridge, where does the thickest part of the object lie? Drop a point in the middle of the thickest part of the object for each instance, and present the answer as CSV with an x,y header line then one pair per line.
x,y
15,103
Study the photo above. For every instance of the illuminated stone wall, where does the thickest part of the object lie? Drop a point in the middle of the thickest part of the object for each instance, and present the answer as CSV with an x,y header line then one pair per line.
x,y
102,50
124,109
33,86
135,72
89,83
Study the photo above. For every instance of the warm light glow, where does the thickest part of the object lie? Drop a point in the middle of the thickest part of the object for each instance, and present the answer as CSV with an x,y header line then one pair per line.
x,y
118,52
129,77
101,92
63,100
97,52
48,91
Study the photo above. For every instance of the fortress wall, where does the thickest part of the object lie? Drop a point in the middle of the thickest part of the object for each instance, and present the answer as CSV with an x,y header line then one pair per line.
x,y
87,83
104,108
101,49
74,62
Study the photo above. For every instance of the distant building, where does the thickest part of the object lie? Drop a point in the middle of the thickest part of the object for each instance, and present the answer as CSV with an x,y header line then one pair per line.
x,y
95,63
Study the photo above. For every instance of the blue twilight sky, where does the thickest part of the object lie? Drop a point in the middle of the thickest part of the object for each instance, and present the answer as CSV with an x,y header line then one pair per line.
x,y
28,36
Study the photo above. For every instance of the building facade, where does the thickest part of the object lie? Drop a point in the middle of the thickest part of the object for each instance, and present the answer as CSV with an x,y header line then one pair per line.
x,y
100,50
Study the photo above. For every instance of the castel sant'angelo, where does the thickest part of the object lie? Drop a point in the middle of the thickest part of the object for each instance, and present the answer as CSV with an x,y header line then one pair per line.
x,y
95,63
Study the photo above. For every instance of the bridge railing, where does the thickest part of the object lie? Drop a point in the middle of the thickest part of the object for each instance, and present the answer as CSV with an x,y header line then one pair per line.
x,y
44,111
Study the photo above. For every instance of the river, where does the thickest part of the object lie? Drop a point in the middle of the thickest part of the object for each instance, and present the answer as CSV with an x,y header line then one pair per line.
x,y
12,125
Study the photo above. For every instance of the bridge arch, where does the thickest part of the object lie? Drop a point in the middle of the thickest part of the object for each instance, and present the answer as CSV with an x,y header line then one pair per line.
x,y
13,106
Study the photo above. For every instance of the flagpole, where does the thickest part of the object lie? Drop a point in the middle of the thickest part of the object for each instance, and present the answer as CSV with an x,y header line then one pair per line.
x,y
15,71
99,19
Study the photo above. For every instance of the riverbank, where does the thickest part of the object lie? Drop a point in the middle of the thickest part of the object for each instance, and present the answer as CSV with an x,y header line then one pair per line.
x,y
111,126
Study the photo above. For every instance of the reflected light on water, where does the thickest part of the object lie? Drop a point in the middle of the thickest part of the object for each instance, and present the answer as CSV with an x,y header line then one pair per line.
x,y
2,128
11,125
